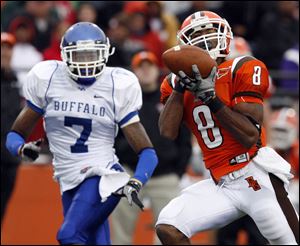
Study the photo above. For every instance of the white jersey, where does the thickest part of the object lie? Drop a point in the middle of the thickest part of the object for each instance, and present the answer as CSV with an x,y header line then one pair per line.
x,y
81,122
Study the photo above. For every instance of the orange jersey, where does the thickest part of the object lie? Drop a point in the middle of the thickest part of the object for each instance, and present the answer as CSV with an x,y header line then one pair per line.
x,y
244,79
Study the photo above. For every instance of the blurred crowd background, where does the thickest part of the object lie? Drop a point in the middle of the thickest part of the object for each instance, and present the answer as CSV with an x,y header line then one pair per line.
x,y
269,30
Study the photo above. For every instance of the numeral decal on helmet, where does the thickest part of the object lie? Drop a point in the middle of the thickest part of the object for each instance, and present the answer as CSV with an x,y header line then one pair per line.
x,y
211,134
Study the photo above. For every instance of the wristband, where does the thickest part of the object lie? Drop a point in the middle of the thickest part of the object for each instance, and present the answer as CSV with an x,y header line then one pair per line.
x,y
13,142
135,183
179,88
215,104
145,167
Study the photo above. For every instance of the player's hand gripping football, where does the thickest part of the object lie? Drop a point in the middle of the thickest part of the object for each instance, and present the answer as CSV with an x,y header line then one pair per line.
x,y
203,89
30,151
131,191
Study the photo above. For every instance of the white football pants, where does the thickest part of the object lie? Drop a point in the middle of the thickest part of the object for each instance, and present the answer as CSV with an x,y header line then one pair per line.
x,y
250,190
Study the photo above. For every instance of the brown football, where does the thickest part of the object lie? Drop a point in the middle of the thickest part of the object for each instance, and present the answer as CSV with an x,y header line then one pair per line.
x,y
182,57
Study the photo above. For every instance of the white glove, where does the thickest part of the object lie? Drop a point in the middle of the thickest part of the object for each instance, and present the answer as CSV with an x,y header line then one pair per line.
x,y
131,191
203,89
30,151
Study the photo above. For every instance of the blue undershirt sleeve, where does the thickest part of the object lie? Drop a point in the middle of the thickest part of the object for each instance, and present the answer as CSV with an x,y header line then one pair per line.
x,y
146,164
13,142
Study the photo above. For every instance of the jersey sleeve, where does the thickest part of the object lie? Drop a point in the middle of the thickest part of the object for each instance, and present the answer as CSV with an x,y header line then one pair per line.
x,y
35,86
165,90
251,83
128,99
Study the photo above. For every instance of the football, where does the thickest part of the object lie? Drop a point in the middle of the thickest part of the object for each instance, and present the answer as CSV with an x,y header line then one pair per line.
x,y
182,57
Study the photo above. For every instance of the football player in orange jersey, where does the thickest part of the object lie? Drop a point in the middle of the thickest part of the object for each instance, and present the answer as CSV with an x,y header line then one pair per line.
x,y
225,113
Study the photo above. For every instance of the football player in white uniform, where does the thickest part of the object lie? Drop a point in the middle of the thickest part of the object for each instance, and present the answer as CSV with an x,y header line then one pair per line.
x,y
84,103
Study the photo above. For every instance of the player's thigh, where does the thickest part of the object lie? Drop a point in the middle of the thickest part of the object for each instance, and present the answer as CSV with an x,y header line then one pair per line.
x,y
85,212
88,200
200,207
269,206
67,198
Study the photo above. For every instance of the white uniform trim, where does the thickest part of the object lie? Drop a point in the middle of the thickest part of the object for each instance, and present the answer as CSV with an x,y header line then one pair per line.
x,y
173,76
235,61
134,119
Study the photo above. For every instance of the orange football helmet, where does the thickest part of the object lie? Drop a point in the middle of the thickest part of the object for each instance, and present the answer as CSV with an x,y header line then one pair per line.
x,y
203,20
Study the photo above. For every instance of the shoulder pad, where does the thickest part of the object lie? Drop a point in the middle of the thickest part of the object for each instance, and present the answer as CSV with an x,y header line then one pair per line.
x,y
239,62
124,78
43,70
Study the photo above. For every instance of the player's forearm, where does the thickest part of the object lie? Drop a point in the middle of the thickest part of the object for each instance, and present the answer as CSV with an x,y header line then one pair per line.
x,y
241,128
25,122
140,142
146,165
20,130
13,142
171,116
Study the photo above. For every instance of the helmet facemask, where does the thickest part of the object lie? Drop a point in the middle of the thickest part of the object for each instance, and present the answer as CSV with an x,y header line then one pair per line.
x,y
86,59
215,42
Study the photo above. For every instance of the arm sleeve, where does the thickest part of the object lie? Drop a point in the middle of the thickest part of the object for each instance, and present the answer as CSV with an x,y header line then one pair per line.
x,y
13,142
34,90
146,165
251,83
128,101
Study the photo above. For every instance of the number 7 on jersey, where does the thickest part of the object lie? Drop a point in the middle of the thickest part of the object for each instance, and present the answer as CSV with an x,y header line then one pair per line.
x,y
79,146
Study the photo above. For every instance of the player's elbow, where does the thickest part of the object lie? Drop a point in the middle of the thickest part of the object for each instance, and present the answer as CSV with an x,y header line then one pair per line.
x,y
251,139
167,130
